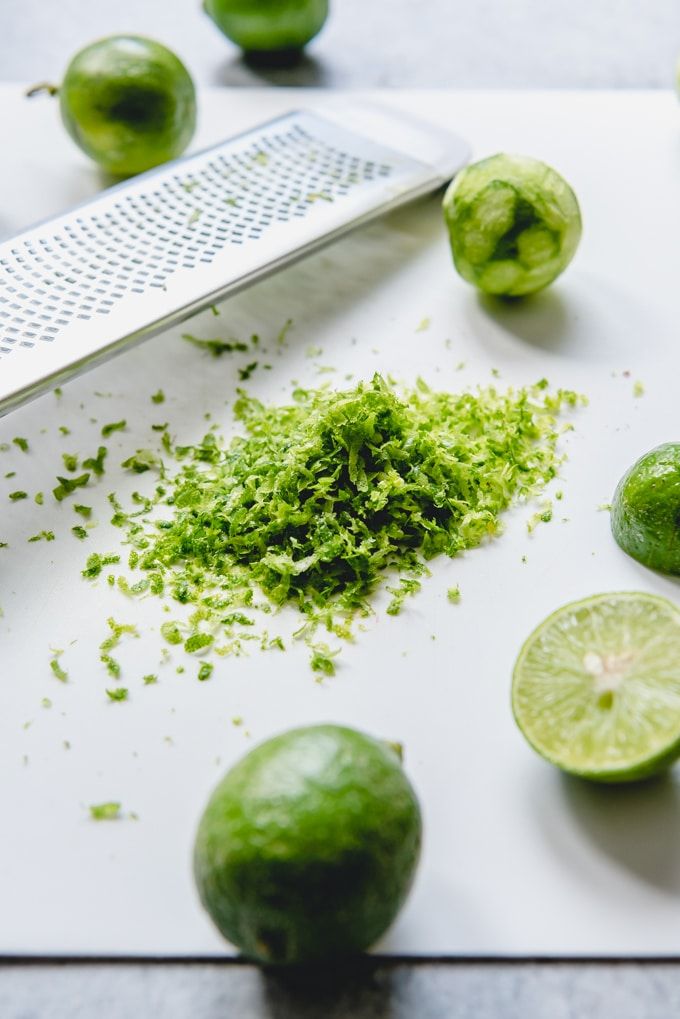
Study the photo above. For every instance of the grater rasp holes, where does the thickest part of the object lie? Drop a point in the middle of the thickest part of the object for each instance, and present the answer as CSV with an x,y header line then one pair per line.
x,y
182,222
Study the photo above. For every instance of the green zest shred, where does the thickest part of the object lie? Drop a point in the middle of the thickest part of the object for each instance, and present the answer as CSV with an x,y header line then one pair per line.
x,y
56,668
68,485
113,426
105,811
321,499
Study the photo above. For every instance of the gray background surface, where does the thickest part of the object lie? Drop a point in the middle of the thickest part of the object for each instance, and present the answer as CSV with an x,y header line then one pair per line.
x,y
457,43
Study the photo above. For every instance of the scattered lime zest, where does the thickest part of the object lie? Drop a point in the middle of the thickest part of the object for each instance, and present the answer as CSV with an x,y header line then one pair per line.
x,y
68,485
158,397
322,659
453,594
142,461
205,671
171,633
105,811
70,461
56,668
216,347
96,463
83,511
113,426
638,389
39,498
79,532
42,536
198,642
282,334
96,563
21,443
119,693
17,496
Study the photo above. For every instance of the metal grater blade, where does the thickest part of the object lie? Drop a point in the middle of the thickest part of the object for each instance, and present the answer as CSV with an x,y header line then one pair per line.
x,y
152,251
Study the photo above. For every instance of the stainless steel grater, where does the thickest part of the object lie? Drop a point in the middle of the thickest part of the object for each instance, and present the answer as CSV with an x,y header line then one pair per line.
x,y
152,251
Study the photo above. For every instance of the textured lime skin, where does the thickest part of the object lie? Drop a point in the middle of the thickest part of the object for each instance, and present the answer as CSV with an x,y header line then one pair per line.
x,y
129,103
514,224
267,26
645,514
661,750
308,846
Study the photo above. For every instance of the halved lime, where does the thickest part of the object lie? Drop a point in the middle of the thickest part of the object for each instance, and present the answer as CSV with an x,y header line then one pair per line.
x,y
596,687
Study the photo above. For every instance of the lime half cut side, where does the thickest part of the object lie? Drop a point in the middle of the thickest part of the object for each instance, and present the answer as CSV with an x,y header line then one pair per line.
x,y
596,687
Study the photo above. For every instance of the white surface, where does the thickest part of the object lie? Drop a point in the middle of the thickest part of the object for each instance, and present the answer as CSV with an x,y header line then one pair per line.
x,y
395,43
517,859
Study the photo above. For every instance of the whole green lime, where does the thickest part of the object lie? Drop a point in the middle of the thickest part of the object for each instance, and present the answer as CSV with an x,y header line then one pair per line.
x,y
308,846
514,224
645,515
268,26
129,103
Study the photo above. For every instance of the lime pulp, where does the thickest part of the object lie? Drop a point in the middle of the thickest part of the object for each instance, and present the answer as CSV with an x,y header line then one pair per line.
x,y
596,687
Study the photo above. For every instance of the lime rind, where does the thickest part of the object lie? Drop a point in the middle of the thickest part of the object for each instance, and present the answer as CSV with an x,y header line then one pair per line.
x,y
596,687
514,224
645,516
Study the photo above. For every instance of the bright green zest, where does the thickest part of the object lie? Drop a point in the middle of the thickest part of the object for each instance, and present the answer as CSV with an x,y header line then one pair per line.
x,y
308,847
268,26
596,687
645,513
514,224
129,103
320,498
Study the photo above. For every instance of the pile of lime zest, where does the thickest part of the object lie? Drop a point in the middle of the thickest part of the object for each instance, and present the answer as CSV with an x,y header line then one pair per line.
x,y
320,500
105,811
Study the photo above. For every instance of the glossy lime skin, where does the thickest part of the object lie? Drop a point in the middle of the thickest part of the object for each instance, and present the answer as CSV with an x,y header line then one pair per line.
x,y
129,103
268,26
514,224
308,846
645,515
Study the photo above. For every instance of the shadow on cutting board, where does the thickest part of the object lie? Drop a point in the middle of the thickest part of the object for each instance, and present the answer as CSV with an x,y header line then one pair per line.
x,y
542,320
637,825
244,71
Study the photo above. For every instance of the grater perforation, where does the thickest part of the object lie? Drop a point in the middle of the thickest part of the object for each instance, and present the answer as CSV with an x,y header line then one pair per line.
x,y
153,250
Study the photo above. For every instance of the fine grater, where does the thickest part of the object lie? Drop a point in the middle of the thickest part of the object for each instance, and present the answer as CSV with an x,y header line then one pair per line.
x,y
152,251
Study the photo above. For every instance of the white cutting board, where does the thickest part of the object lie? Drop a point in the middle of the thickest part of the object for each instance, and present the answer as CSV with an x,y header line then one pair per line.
x,y
517,859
